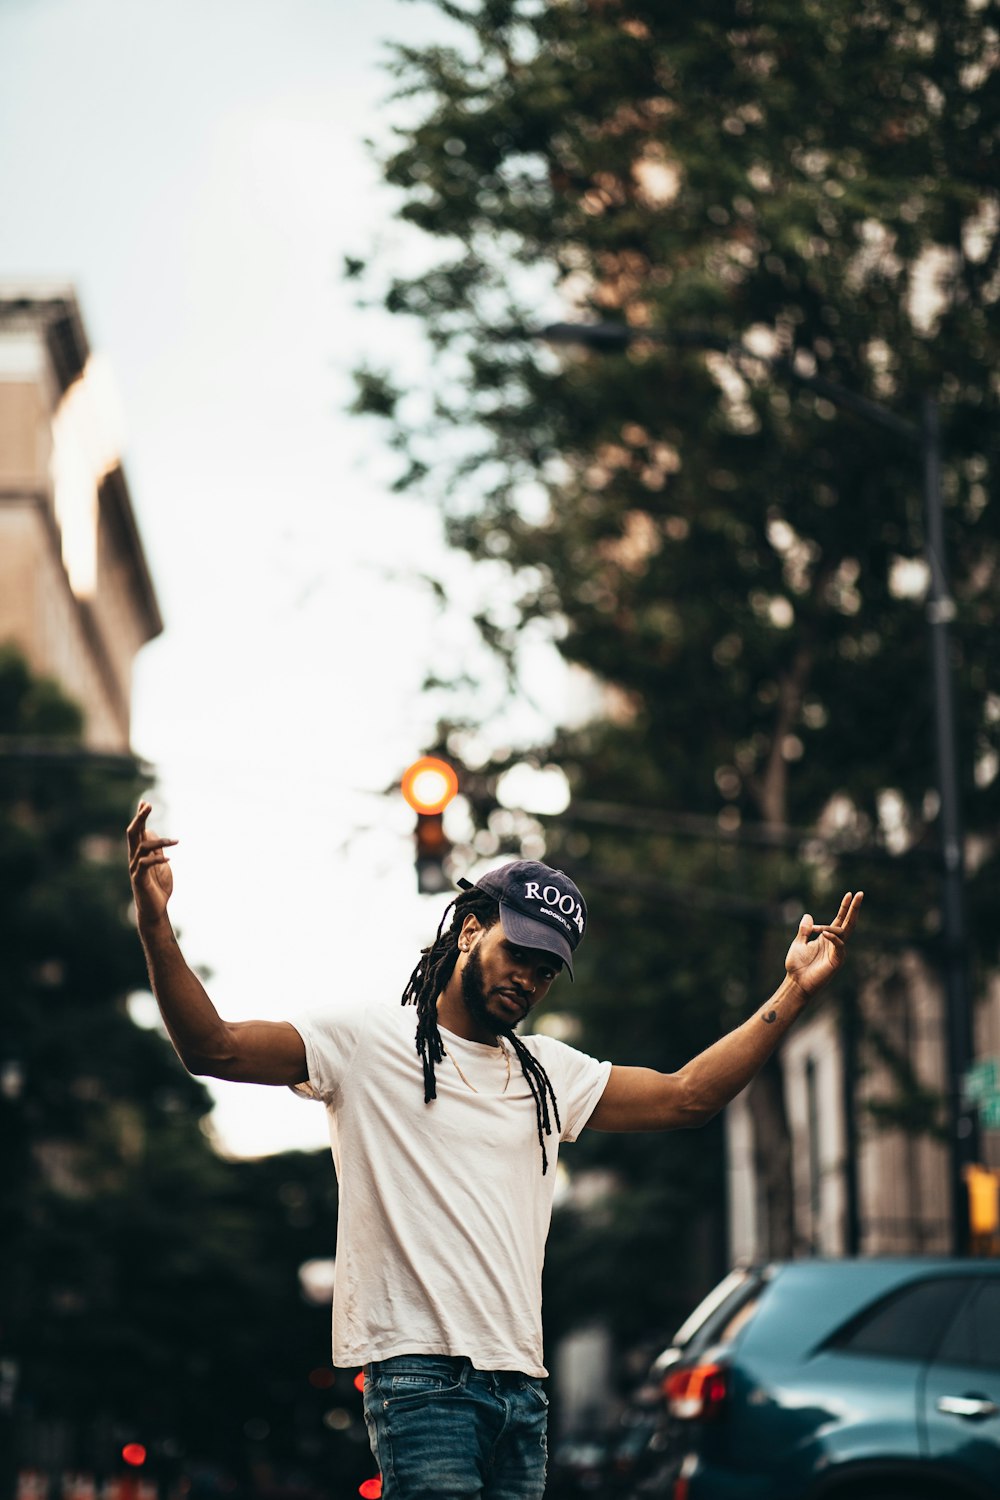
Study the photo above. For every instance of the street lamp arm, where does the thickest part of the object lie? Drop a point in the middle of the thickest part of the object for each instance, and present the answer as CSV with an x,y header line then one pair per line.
x,y
862,406
616,337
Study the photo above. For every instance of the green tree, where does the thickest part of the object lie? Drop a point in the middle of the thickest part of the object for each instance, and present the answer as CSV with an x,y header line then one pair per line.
x,y
737,562
149,1289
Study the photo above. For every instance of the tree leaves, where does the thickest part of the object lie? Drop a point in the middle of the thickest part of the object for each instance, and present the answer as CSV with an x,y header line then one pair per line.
x,y
723,550
148,1289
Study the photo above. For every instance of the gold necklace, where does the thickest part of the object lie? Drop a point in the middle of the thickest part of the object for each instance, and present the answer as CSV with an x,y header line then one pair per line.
x,y
472,1086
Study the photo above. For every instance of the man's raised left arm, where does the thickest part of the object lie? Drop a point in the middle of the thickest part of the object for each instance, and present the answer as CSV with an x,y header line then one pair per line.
x,y
643,1099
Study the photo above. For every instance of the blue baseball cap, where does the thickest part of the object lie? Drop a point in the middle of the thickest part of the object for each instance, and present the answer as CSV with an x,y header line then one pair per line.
x,y
539,907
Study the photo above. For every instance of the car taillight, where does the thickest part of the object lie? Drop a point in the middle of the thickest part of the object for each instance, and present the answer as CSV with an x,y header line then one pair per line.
x,y
697,1393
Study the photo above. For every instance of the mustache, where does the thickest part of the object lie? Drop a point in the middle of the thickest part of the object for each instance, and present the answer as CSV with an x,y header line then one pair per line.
x,y
477,999
523,1002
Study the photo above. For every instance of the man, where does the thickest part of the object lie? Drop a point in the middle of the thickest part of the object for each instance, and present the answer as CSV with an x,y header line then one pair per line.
x,y
444,1138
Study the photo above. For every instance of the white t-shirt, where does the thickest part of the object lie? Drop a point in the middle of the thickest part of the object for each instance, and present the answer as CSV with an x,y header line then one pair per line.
x,y
444,1210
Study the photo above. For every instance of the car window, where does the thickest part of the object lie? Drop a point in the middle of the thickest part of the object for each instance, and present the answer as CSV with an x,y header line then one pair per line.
x,y
739,1319
731,1289
974,1336
907,1324
712,1313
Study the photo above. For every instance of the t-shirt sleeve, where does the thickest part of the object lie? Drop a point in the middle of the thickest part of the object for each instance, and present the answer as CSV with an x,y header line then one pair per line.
x,y
331,1037
578,1079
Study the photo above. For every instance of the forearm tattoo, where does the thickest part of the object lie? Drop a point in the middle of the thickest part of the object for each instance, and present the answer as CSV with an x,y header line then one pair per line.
x,y
769,1017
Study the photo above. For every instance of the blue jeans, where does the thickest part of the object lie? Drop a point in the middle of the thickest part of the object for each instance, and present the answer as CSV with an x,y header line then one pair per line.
x,y
441,1429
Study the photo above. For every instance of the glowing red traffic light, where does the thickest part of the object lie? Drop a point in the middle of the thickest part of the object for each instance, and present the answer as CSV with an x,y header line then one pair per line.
x,y
359,1381
134,1454
371,1489
429,784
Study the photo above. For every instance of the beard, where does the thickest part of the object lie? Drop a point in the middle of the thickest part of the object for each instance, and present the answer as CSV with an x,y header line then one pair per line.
x,y
474,995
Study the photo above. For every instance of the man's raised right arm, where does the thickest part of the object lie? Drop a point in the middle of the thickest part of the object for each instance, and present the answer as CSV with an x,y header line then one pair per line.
x,y
243,1051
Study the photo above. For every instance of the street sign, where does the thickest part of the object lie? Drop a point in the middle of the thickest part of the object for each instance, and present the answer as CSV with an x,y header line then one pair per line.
x,y
982,1079
981,1087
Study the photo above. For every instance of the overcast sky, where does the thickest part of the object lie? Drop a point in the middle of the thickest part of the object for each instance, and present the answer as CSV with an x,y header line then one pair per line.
x,y
197,171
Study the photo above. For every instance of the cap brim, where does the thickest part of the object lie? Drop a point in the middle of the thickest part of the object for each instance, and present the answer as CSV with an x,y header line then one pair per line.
x,y
532,934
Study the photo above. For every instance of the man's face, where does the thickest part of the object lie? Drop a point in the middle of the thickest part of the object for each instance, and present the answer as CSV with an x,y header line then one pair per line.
x,y
501,981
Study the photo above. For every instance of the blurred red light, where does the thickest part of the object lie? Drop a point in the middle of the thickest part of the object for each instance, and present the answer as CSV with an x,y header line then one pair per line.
x,y
697,1393
321,1378
359,1381
134,1454
371,1489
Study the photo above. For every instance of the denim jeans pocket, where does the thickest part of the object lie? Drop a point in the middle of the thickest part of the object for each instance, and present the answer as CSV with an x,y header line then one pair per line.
x,y
410,1385
536,1389
397,1388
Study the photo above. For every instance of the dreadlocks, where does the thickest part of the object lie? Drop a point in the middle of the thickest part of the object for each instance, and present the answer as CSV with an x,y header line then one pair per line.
x,y
434,968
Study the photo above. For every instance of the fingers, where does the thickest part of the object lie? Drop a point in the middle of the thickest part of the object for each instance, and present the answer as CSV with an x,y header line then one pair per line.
x,y
137,827
848,913
139,841
147,861
149,852
842,925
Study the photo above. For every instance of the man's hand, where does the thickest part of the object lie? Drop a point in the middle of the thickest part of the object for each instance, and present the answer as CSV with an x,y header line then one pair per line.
x,y
818,952
152,878
643,1099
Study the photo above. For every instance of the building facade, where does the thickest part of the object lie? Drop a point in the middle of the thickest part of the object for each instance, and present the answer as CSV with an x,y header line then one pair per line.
x,y
864,1080
76,597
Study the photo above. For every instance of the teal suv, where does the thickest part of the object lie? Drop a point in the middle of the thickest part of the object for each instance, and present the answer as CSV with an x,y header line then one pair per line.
x,y
836,1380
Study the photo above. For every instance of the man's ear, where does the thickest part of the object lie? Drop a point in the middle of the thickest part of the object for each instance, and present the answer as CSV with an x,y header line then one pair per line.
x,y
471,928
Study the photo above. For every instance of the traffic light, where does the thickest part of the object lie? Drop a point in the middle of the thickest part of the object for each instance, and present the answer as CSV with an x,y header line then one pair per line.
x,y
983,1186
428,786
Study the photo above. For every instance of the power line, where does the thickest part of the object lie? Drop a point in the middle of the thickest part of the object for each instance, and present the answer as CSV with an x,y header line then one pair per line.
x,y
698,826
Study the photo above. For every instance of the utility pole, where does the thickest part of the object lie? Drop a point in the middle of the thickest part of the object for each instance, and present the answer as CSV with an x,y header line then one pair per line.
x,y
963,1120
